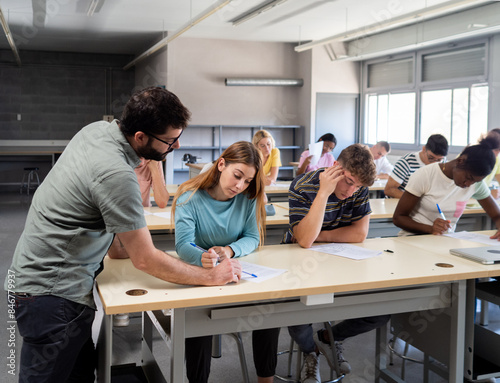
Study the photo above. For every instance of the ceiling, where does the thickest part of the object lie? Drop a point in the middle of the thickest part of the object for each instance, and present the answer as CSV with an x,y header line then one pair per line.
x,y
133,26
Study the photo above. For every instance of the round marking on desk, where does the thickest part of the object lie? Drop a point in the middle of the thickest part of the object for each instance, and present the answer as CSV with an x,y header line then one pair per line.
x,y
135,292
444,265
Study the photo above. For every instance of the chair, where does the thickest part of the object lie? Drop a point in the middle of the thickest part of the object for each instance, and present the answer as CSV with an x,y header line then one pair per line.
x,y
29,179
160,319
291,350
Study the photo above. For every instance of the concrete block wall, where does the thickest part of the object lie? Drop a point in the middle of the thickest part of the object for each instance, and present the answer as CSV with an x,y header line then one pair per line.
x,y
53,95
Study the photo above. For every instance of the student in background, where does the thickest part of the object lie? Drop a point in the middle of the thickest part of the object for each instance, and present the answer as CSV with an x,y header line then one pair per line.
x,y
89,205
150,175
493,137
222,211
264,141
450,185
435,150
325,161
379,152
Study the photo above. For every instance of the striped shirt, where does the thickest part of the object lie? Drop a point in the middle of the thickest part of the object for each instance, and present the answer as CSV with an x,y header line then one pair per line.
x,y
405,167
338,213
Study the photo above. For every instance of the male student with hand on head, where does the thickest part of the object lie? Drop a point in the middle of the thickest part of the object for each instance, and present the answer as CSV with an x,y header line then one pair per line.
x,y
331,205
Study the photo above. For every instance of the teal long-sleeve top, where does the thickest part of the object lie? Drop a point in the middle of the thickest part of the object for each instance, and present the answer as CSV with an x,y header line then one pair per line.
x,y
207,222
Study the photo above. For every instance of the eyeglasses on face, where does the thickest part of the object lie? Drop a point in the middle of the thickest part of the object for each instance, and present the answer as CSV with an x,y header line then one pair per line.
x,y
170,144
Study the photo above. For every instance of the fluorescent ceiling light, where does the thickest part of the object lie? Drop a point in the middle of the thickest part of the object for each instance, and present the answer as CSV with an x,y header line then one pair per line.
x,y
191,23
406,19
94,6
264,82
255,12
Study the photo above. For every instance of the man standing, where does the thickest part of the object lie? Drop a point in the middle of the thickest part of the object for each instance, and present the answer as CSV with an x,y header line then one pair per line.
x,y
435,150
89,204
379,152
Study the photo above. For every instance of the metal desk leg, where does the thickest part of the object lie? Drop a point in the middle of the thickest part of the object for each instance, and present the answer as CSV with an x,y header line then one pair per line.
x,y
457,331
105,349
178,337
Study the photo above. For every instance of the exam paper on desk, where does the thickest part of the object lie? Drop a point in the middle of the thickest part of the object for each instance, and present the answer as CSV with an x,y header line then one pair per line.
x,y
346,250
263,273
474,237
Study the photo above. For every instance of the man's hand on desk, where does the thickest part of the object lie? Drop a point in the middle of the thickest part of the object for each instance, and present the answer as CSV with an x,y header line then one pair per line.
x,y
496,235
229,270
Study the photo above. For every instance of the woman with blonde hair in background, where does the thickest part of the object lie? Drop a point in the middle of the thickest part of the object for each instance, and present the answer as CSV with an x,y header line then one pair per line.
x,y
222,212
264,141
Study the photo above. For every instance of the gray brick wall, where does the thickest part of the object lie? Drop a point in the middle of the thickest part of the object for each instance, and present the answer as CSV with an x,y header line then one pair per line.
x,y
57,93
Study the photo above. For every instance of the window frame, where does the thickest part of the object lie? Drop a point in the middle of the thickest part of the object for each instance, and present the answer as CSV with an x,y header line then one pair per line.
x,y
418,86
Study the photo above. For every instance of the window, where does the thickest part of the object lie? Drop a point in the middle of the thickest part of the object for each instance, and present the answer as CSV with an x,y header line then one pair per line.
x,y
448,95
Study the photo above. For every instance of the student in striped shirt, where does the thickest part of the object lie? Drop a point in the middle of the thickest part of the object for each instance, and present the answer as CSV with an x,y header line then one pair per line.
x,y
435,150
332,205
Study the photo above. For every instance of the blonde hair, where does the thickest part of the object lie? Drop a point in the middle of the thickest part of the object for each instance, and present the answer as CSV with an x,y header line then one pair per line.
x,y
241,152
263,134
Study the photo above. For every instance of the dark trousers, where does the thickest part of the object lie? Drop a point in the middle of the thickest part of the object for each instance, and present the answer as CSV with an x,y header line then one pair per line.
x,y
57,340
199,353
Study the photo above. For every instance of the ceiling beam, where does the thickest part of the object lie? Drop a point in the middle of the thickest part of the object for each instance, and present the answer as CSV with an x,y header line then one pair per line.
x,y
191,23
406,19
8,34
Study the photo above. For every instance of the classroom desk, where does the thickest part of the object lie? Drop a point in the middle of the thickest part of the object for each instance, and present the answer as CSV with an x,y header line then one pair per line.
x,y
277,192
377,189
315,288
194,169
48,151
473,218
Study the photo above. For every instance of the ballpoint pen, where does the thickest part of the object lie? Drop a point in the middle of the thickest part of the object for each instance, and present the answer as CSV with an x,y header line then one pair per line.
x,y
246,272
440,212
204,250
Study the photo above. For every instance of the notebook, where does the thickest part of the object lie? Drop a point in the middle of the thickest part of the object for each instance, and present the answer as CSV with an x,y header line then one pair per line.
x,y
487,255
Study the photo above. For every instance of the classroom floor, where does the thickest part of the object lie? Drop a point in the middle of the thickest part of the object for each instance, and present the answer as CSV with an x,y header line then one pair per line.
x,y
359,351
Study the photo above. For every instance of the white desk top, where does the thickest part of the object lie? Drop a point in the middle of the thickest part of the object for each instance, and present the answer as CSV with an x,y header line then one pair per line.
x,y
309,273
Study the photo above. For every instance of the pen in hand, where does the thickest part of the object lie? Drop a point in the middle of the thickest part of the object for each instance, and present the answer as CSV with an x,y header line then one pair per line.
x,y
204,250
440,212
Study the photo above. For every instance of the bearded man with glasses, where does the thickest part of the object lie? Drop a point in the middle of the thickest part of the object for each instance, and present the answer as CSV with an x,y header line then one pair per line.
x,y
89,205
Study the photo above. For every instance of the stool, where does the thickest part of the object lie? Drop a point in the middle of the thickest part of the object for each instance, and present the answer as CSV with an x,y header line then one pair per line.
x,y
29,180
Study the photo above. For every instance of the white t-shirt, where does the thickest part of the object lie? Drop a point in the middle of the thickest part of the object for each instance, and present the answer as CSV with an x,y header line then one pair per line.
x,y
383,165
430,183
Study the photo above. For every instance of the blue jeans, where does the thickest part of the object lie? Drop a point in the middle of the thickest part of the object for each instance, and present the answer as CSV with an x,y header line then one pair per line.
x,y
57,340
303,334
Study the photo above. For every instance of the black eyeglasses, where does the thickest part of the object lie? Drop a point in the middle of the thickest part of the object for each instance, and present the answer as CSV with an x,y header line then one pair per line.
x,y
170,144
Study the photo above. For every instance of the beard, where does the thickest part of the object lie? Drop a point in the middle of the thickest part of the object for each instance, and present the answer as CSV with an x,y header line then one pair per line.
x,y
149,153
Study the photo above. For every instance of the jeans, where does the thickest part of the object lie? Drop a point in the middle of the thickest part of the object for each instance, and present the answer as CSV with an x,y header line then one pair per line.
x,y
57,340
303,334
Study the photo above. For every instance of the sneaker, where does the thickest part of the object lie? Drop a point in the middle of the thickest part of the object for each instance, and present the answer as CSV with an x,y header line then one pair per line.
x,y
121,320
326,350
310,369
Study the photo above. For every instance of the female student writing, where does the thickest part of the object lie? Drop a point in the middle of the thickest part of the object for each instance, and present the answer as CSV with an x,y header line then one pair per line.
x,y
325,161
264,141
222,212
449,185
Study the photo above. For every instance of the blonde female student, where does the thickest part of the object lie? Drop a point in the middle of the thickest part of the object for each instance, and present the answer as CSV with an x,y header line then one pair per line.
x,y
264,141
222,212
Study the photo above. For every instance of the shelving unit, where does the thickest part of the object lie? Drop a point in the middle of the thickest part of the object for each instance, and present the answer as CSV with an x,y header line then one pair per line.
x,y
207,142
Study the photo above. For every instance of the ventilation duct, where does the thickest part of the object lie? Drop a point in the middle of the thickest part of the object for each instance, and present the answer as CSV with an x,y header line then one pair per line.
x,y
264,82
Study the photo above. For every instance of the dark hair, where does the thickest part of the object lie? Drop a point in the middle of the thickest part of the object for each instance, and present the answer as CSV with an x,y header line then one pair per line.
x,y
491,140
358,160
437,144
153,110
328,137
385,145
479,160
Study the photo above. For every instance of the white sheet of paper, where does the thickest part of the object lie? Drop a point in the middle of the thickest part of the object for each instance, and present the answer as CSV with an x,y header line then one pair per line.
x,y
315,150
163,214
147,212
474,237
263,273
346,250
